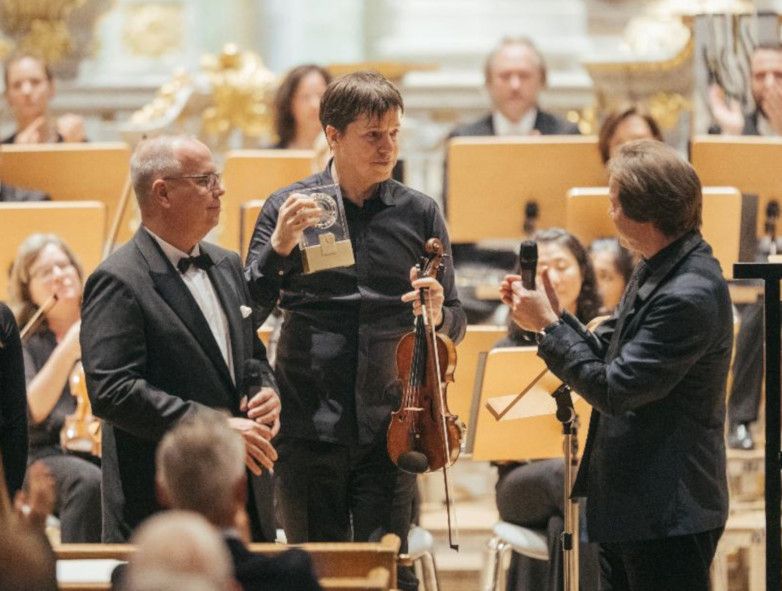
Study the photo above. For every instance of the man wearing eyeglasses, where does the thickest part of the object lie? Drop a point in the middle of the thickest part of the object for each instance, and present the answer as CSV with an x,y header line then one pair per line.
x,y
167,329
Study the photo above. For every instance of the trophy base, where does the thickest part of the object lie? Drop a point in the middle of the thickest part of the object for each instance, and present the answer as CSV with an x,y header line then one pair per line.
x,y
330,253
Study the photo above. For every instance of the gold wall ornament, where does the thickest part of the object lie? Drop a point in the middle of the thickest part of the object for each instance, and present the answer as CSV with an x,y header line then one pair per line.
x,y
149,29
39,26
242,94
667,107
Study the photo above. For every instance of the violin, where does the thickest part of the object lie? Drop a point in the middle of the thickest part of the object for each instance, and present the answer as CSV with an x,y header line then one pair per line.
x,y
423,435
81,431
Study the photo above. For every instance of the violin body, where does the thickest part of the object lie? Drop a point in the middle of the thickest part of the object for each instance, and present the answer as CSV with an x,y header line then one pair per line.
x,y
81,431
419,429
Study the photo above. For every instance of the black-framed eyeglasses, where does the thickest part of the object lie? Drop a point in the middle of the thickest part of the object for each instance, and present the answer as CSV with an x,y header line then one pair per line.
x,y
209,181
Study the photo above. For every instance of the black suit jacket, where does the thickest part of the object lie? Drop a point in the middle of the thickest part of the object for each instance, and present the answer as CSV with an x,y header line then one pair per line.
x,y
150,360
545,123
11,193
654,461
289,570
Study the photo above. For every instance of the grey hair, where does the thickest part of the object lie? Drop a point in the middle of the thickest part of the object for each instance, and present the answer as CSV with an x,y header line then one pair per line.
x,y
153,159
178,545
510,41
198,464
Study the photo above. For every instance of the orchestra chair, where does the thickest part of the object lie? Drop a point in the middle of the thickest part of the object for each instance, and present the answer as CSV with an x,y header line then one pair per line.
x,y
750,163
478,339
80,224
588,219
255,174
508,538
492,179
420,555
248,216
339,566
74,172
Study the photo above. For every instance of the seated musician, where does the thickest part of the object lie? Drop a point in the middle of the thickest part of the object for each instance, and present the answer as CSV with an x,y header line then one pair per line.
x,y
765,120
515,74
29,86
613,265
44,267
531,494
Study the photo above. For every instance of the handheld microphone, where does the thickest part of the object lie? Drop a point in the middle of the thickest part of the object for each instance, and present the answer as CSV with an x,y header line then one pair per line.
x,y
253,377
528,263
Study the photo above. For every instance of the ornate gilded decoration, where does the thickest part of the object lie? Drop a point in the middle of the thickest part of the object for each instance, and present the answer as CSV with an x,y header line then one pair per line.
x,y
148,30
242,91
233,93
39,26
667,107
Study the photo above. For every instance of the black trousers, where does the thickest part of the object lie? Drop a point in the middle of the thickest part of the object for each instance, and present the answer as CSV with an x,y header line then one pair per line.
x,y
333,493
77,504
745,390
679,563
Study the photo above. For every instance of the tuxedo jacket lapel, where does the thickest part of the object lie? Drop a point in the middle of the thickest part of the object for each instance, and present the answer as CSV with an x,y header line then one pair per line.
x,y
173,290
221,276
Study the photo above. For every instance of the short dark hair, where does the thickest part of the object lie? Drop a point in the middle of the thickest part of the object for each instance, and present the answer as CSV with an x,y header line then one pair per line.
x,y
612,121
284,123
656,185
523,42
361,93
18,57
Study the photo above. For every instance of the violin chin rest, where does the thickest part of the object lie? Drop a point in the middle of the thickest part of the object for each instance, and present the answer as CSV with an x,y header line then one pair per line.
x,y
414,462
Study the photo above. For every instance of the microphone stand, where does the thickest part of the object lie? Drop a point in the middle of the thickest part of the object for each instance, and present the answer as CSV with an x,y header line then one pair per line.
x,y
566,414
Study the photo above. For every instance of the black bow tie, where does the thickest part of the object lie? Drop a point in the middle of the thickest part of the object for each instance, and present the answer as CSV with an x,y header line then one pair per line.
x,y
202,261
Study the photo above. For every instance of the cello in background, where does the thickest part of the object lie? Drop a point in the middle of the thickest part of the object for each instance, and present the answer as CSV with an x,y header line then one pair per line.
x,y
423,435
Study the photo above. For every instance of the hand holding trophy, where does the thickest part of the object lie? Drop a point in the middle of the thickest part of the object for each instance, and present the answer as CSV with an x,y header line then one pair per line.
x,y
321,228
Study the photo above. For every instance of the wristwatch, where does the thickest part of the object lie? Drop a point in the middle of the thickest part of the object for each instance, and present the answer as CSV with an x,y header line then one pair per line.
x,y
539,336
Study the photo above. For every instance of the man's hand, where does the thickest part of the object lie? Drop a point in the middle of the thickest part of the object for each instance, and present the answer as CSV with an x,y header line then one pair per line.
x,y
726,111
433,296
772,107
259,452
71,128
33,133
36,501
298,213
264,408
532,310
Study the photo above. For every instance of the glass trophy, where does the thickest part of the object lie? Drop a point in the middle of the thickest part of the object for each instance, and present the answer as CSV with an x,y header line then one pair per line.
x,y
326,245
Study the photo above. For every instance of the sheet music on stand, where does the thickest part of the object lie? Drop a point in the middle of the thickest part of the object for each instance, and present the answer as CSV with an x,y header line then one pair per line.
x,y
513,413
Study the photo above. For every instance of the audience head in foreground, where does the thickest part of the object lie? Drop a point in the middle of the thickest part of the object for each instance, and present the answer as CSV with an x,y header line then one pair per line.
x,y
181,546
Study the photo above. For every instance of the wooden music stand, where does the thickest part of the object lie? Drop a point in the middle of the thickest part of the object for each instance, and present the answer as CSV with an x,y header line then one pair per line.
x,y
503,375
67,219
256,174
588,219
477,339
751,164
73,172
490,181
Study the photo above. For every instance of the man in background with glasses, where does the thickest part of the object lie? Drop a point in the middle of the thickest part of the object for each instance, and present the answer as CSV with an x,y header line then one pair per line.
x,y
167,329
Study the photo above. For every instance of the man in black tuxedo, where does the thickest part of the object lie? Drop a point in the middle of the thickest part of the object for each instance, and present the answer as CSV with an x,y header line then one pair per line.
x,y
653,469
200,468
167,327
515,74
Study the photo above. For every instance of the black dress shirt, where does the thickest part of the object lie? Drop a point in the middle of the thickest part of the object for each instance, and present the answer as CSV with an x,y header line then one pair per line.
x,y
45,436
336,363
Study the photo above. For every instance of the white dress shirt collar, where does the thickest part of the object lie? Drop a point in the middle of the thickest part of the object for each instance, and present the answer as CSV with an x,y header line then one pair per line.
x,y
504,126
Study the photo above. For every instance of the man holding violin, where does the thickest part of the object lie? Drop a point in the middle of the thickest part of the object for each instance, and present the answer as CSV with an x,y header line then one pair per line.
x,y
653,469
336,363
